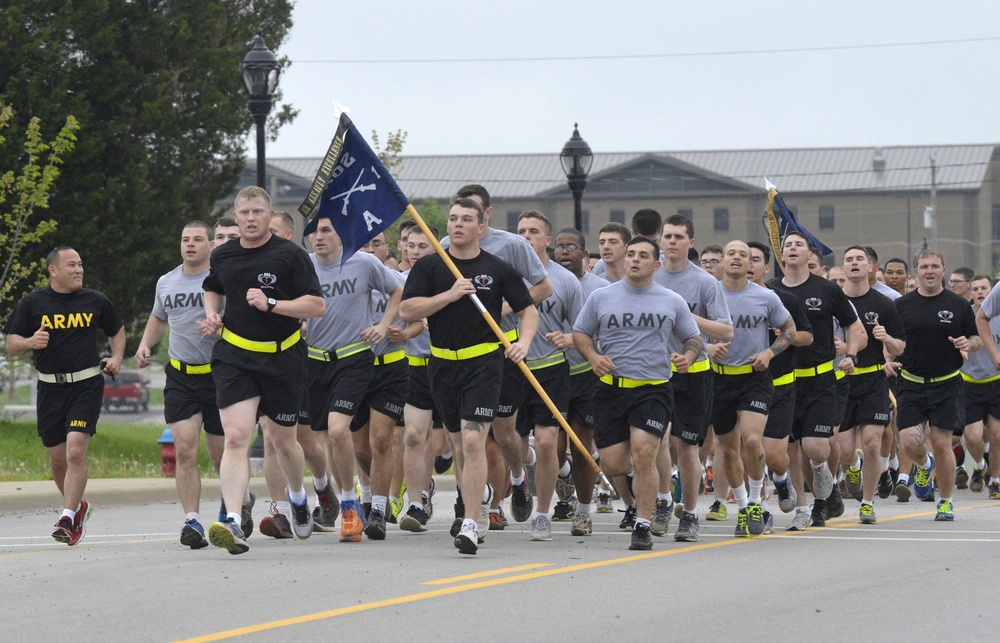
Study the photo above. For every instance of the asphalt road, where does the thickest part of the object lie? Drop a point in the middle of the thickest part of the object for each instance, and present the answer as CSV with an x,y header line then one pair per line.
x,y
131,580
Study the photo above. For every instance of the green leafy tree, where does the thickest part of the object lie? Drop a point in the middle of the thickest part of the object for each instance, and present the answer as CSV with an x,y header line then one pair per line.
x,y
163,121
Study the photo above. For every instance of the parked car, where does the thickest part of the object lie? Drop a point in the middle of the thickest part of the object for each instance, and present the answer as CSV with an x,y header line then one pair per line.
x,y
129,390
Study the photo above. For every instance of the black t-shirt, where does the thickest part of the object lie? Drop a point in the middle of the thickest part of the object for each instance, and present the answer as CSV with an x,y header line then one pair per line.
x,y
280,268
784,362
929,322
72,320
823,300
873,307
460,324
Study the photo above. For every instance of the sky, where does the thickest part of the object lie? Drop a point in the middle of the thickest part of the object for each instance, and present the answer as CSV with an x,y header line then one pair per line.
x,y
513,77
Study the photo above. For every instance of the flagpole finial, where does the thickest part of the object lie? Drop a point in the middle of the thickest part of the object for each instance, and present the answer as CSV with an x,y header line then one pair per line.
x,y
339,109
768,185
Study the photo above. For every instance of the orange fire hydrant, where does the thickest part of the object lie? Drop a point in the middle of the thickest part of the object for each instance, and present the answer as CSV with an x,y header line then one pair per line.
x,y
168,456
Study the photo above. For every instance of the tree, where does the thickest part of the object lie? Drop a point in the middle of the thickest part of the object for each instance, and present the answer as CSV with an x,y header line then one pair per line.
x,y
163,121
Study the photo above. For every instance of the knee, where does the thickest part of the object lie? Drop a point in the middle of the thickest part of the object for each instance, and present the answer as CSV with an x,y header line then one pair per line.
x,y
414,438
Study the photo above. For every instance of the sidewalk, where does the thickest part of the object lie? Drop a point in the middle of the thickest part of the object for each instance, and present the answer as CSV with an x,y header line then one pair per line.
x,y
42,494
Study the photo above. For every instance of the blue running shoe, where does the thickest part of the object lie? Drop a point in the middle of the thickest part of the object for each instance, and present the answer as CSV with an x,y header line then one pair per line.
x,y
193,535
228,536
922,486
945,513
223,514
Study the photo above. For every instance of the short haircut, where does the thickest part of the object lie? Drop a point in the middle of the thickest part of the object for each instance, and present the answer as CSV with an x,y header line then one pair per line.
x,y
594,255
862,249
580,240
286,217
793,233
406,225
928,253
225,222
252,192
906,267
616,228
647,222
418,230
641,239
53,257
466,202
714,249
764,250
391,255
474,189
535,214
967,273
986,277
681,220
872,255
200,224
692,254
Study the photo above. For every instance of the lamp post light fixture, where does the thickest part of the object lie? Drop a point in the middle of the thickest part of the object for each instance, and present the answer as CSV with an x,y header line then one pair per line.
x,y
576,159
260,77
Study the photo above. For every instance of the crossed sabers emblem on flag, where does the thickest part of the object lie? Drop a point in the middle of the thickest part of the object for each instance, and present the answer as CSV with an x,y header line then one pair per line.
x,y
356,188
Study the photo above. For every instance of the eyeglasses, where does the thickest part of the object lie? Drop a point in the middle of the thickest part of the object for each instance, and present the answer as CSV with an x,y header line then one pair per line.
x,y
569,247
958,281
706,263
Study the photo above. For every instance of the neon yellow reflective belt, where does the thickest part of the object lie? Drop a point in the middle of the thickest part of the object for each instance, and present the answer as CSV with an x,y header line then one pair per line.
x,y
863,370
545,362
722,369
972,380
813,371
190,369
468,352
390,358
927,380
697,367
418,361
628,382
582,367
787,378
260,347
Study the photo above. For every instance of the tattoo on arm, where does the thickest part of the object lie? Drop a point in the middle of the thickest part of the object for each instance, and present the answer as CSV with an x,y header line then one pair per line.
x,y
975,343
473,426
785,339
695,345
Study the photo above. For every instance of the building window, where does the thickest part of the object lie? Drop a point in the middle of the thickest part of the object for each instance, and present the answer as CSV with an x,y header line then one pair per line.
x,y
512,220
720,219
686,212
618,216
826,217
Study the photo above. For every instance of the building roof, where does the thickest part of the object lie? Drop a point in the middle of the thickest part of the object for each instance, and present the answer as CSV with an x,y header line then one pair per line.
x,y
522,176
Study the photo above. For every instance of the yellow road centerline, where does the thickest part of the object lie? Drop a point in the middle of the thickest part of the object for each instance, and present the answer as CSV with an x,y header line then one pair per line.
x,y
486,574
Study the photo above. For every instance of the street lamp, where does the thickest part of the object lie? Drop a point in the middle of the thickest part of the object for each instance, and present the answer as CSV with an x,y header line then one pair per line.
x,y
576,159
260,77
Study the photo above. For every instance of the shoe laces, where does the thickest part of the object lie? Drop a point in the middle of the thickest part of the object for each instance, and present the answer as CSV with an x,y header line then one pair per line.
x,y
272,508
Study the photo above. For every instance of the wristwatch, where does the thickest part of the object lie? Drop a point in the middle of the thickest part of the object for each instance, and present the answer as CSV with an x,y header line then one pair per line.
x,y
854,358
272,302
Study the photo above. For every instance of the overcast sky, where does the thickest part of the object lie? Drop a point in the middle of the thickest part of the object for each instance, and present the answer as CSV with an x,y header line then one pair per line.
x,y
657,76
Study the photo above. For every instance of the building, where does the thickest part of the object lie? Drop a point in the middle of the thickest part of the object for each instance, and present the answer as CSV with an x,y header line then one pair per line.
x,y
879,197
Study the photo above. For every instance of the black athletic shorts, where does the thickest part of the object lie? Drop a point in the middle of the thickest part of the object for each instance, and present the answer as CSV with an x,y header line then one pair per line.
x,y
732,393
419,394
843,392
617,409
782,414
386,393
512,390
278,379
868,402
533,411
467,389
942,404
692,411
185,396
581,398
62,408
337,386
815,406
981,401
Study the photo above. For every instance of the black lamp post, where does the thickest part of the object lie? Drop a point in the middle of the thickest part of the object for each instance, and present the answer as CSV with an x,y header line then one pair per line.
x,y
576,159
260,77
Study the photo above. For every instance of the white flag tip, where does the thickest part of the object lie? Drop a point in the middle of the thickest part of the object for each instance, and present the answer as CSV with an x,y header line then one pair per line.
x,y
768,185
339,109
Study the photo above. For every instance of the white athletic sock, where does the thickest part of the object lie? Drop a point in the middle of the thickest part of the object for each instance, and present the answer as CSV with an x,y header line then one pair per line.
x,y
582,508
884,461
708,462
755,488
664,496
642,521
246,495
298,497
981,464
378,502
780,479
366,493
486,494
320,483
564,470
68,513
519,480
192,516
740,493
532,457
417,505
236,518
857,462
904,478
894,462
348,495
927,463
868,502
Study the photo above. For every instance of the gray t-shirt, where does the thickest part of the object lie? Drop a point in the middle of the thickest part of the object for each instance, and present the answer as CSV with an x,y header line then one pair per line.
x,y
558,312
635,325
701,291
379,302
588,283
516,251
980,366
886,290
348,296
419,346
180,301
752,308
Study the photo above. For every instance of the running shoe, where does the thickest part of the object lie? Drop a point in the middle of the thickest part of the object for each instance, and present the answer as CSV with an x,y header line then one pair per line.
x,y
222,511
854,482
375,529
994,491
64,531
819,513
246,514
604,504
81,518
945,513
822,481
442,463
641,540
977,483
902,491
742,524
768,523
302,520
351,524
867,514
922,483
503,516
193,535
414,520
395,508
276,524
565,488
521,502
800,520
709,480
228,536
661,518
786,495
562,511
467,540
717,512
628,522
835,503
582,525
885,484
676,488
496,522
541,528
327,509
427,500
755,519
961,478
687,529
483,524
